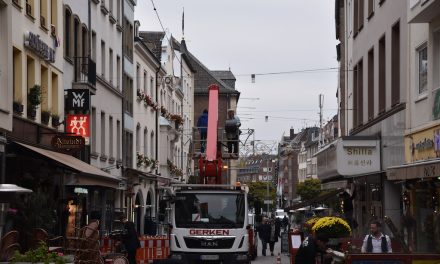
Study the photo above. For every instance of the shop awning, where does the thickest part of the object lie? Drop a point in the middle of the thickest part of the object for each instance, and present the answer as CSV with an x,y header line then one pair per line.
x,y
90,174
416,170
316,200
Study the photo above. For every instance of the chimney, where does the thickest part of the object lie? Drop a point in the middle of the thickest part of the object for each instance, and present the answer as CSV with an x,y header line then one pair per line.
x,y
292,133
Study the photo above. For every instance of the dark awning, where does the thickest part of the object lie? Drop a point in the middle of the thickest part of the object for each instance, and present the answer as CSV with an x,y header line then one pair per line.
x,y
90,174
318,199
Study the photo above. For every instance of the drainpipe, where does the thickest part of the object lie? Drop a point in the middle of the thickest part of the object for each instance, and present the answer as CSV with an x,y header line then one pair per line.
x,y
181,113
157,118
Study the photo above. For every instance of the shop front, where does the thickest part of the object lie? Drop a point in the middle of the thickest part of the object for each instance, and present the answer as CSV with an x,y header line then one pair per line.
x,y
419,178
353,164
67,192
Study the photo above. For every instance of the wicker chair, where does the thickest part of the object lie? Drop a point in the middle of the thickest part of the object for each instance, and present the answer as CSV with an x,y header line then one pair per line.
x,y
40,235
8,239
7,252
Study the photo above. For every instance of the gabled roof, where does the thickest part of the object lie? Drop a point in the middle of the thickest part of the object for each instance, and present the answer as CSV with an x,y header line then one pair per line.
x,y
153,40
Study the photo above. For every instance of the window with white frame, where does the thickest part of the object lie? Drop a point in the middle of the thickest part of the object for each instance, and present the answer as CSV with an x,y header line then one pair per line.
x,y
422,54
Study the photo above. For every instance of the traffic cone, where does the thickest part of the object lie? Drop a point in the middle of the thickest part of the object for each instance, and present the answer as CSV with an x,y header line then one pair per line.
x,y
278,259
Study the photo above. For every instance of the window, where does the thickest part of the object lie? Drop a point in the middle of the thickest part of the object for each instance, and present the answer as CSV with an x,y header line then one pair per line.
x,y
395,64
67,32
102,58
138,138
17,75
118,10
370,8
118,72
94,138
30,8
371,84
84,42
54,14
138,77
436,59
423,69
382,75
152,143
55,93
118,140
128,39
103,134
360,87
110,58
128,94
30,72
152,87
355,17
361,14
110,134
129,149
145,80
44,88
43,14
355,96
76,36
94,45
145,141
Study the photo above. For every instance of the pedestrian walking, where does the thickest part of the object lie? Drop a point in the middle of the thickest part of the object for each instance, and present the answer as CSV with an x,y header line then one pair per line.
x,y
376,241
285,223
264,234
202,125
131,241
275,226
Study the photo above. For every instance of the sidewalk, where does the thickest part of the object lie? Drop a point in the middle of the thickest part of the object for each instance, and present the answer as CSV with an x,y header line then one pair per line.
x,y
268,259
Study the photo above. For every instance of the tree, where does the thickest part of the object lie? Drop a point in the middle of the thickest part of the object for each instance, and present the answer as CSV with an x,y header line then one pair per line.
x,y
309,189
258,193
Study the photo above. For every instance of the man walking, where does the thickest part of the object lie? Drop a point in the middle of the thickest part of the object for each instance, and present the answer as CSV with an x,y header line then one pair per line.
x,y
376,241
264,234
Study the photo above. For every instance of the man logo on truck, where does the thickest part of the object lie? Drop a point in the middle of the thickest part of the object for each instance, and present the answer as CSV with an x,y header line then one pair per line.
x,y
208,232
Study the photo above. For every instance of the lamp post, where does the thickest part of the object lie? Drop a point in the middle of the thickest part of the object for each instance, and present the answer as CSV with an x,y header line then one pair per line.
x,y
267,184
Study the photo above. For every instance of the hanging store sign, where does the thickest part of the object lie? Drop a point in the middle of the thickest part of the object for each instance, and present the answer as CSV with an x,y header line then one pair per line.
x,y
68,143
78,100
79,125
33,42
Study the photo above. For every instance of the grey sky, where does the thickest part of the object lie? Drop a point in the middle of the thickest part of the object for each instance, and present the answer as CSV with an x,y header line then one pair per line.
x,y
256,36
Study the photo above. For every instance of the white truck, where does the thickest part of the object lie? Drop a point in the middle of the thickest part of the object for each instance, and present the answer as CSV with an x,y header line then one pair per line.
x,y
210,224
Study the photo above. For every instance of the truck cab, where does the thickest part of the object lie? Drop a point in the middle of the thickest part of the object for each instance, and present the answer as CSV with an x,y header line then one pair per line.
x,y
210,223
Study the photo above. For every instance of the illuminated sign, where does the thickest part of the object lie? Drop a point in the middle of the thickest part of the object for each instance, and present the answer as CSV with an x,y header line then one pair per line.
x,y
68,142
78,100
79,125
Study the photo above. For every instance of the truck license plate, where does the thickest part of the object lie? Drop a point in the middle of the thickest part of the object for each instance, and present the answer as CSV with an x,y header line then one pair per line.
x,y
209,257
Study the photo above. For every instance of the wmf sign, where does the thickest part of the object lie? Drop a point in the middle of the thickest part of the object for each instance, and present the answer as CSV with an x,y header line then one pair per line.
x,y
78,100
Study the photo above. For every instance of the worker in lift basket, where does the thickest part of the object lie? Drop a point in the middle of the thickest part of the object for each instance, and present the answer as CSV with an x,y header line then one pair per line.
x,y
232,131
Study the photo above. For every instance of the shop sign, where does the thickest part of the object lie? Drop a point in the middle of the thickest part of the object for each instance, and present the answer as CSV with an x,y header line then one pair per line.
x,y
423,145
79,125
33,42
61,142
80,190
355,157
78,100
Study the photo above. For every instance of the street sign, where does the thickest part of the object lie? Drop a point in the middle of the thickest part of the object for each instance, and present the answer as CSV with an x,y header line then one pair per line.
x,y
268,201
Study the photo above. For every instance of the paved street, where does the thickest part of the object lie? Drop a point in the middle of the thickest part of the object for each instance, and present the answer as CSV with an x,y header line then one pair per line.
x,y
269,259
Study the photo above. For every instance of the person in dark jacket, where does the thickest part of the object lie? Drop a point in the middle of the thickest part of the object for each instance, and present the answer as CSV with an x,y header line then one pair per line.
x,y
131,241
264,234
202,125
275,226
309,249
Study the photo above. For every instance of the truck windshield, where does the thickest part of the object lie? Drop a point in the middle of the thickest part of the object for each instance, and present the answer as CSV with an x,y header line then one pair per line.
x,y
210,210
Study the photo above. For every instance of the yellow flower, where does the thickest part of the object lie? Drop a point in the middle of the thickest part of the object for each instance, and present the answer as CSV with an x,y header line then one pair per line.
x,y
332,226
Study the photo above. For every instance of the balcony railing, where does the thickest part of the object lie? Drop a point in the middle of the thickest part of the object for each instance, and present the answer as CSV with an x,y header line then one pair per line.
x,y
85,70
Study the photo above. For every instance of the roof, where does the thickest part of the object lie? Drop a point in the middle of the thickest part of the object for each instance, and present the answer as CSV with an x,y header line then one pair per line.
x,y
153,40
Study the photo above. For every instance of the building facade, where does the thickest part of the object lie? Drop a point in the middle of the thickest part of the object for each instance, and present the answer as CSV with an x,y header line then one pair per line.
x,y
288,168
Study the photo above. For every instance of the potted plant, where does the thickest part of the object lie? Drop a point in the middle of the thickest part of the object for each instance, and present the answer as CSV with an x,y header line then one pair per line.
x,y
45,116
331,227
18,107
55,120
34,100
39,255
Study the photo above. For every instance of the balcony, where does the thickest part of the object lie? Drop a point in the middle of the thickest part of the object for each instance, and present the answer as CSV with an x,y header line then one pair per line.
x,y
85,74
423,11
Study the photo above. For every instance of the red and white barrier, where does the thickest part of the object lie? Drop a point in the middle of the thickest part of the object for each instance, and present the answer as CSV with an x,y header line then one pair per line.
x,y
152,248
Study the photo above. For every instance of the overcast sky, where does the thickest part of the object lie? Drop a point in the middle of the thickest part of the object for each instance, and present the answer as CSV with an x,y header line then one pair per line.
x,y
255,37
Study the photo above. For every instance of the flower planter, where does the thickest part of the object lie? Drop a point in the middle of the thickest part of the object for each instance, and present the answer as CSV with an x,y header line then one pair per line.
x,y
55,121
32,113
45,117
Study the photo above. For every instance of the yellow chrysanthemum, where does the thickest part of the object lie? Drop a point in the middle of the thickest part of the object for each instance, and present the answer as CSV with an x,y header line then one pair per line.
x,y
332,226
